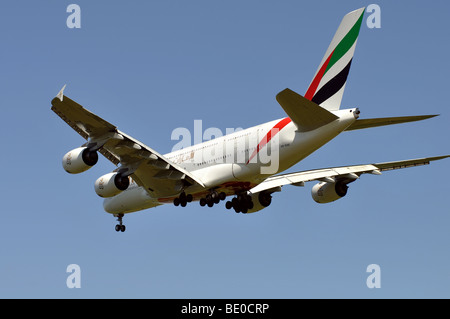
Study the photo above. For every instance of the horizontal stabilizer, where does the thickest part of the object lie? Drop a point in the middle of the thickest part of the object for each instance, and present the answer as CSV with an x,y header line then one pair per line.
x,y
366,123
306,115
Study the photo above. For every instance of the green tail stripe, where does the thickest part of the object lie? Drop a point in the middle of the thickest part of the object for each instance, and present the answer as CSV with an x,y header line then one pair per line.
x,y
346,43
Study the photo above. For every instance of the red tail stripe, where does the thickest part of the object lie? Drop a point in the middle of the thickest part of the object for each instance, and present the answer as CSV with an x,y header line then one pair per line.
x,y
315,83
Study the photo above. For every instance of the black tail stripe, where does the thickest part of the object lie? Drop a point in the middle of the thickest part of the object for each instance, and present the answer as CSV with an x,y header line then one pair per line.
x,y
333,86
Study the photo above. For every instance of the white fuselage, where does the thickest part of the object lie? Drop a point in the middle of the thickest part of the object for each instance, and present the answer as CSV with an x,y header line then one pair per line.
x,y
239,161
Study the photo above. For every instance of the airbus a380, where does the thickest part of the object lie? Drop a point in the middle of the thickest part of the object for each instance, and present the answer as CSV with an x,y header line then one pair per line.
x,y
244,165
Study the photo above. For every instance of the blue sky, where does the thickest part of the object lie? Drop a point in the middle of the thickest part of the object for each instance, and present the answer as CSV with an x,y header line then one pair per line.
x,y
152,66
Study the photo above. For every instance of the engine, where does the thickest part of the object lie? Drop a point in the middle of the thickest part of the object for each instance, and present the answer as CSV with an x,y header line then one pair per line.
x,y
79,160
325,192
111,184
260,201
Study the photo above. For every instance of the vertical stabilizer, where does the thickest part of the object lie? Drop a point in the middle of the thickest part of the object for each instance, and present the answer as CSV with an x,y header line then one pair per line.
x,y
327,86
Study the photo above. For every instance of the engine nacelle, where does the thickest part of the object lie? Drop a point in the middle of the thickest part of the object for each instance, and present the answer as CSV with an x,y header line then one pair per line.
x,y
260,201
328,192
79,160
111,184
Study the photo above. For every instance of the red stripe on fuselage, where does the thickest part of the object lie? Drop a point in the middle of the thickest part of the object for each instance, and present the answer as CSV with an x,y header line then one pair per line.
x,y
309,95
278,127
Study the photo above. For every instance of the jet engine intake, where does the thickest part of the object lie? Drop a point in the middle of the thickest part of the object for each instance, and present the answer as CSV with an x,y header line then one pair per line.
x,y
325,192
111,184
79,160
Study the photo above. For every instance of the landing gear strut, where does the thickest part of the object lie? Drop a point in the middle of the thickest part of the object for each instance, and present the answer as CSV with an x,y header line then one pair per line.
x,y
120,227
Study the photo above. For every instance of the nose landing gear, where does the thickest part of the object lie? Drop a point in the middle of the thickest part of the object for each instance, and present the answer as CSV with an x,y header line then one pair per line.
x,y
120,227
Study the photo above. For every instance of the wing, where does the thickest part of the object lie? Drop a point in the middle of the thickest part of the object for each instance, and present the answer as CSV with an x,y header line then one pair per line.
x,y
151,170
337,173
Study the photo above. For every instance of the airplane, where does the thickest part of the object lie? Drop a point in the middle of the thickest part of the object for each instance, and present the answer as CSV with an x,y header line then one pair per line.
x,y
233,165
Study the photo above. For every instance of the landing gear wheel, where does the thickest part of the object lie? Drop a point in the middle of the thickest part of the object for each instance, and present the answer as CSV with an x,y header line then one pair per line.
x,y
235,204
242,203
120,227
214,197
210,200
183,199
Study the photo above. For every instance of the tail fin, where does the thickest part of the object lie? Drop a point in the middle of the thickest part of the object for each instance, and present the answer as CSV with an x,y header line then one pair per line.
x,y
327,86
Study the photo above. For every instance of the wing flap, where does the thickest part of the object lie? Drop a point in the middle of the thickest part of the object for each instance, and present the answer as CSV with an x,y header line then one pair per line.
x,y
84,122
155,161
343,172
408,163
148,168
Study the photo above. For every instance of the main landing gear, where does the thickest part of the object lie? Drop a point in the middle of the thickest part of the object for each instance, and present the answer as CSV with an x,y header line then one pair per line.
x,y
212,198
120,227
183,199
242,203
